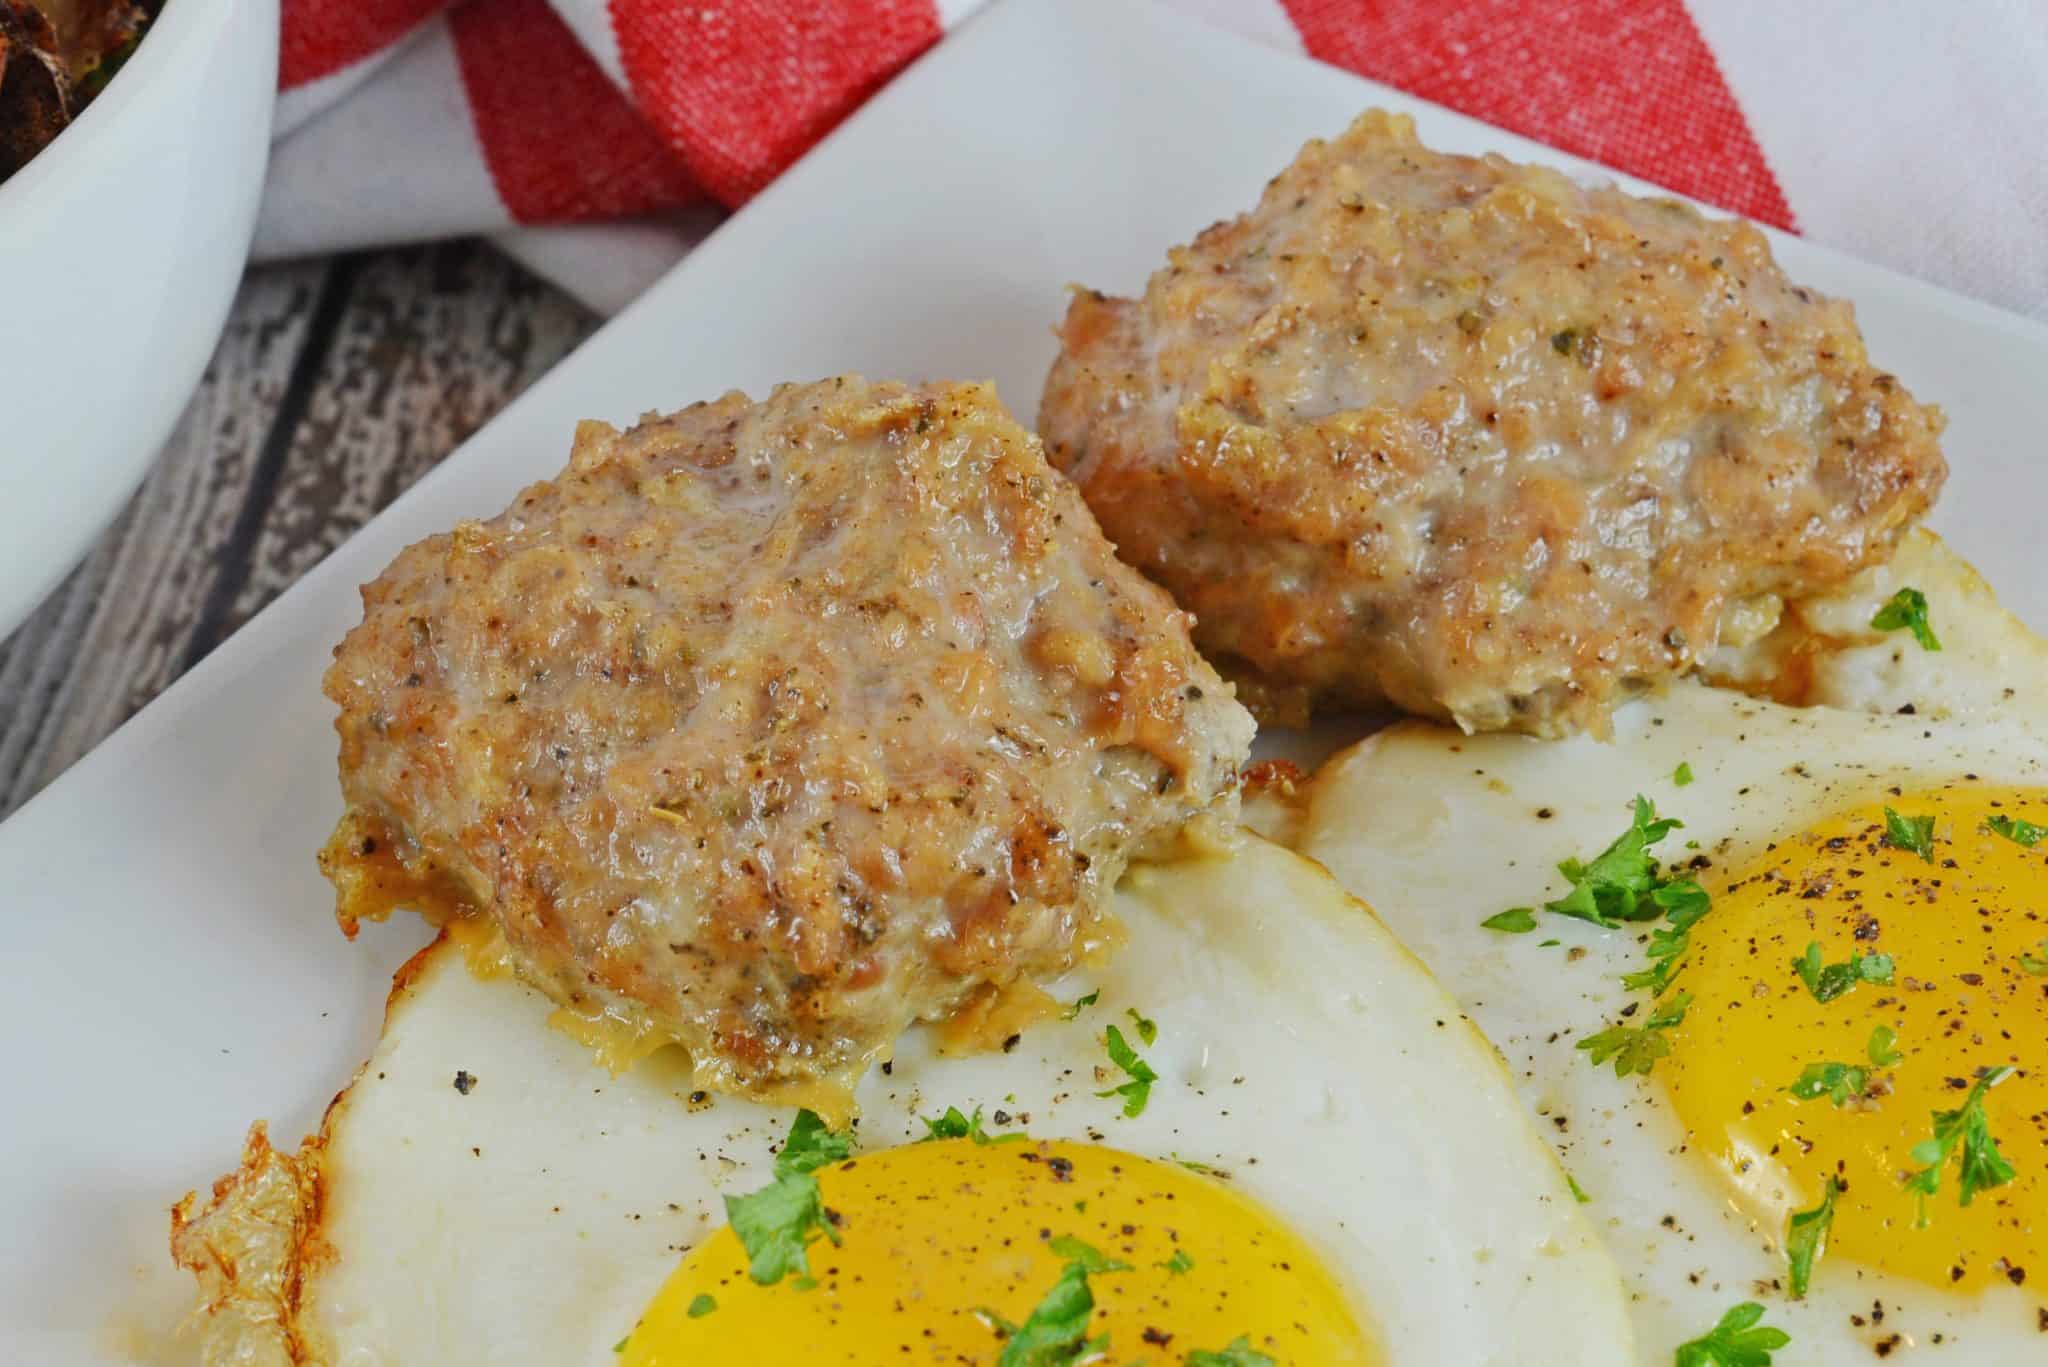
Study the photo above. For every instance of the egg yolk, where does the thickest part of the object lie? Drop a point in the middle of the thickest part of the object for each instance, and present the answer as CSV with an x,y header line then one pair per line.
x,y
947,1242
1967,992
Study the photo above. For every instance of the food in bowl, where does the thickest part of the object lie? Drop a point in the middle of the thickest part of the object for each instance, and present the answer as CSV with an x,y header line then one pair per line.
x,y
55,56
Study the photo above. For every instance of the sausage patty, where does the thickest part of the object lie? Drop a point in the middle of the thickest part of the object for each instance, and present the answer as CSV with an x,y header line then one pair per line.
x,y
771,728
1465,437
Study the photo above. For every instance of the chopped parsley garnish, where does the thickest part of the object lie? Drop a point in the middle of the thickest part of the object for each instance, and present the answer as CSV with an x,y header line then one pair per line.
x,y
1838,1082
1578,1192
1178,1264
2036,960
1907,609
811,1146
776,1223
1737,1341
1092,1260
1080,1004
1829,981
2024,833
1620,879
1684,902
1636,1048
954,1125
1624,883
1138,1090
1966,1128
1682,775
1913,834
1237,1353
1806,1238
1883,1047
1056,1332
701,1305
1148,1031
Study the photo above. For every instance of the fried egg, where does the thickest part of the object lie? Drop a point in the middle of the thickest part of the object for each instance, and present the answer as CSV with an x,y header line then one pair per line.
x,y
1260,1123
1829,650
1804,1098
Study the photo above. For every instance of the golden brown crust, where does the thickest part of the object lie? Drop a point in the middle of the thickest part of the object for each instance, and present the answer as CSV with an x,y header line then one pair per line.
x,y
250,1246
770,728
1462,436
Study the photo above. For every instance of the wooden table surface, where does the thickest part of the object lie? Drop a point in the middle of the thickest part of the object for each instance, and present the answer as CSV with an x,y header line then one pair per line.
x,y
336,384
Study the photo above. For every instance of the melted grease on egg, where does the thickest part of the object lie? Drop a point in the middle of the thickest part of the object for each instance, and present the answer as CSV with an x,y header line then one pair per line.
x,y
994,1016
935,1234
1959,931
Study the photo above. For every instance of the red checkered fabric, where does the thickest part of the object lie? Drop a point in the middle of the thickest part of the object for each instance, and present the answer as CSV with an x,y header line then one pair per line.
x,y
1859,124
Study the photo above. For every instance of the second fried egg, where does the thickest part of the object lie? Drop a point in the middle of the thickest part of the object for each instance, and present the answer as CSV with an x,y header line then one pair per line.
x,y
1806,1063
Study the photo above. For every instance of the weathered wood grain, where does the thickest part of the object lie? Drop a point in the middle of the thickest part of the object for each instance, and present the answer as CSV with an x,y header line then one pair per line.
x,y
336,385
432,345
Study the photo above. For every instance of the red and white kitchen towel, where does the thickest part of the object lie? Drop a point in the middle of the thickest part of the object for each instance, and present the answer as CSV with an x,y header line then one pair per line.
x,y
598,139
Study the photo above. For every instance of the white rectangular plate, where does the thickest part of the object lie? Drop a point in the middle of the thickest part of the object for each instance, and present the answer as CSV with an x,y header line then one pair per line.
x,y
173,971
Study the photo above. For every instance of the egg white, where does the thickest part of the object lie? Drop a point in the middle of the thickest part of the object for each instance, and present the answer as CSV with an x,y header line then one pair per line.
x,y
1438,830
1826,653
1300,1049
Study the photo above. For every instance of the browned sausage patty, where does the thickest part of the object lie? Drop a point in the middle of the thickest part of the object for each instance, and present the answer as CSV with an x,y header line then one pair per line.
x,y
1462,436
771,728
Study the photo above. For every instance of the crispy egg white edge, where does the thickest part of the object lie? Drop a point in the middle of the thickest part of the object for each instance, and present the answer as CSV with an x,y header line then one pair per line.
x,y
1301,1049
1434,807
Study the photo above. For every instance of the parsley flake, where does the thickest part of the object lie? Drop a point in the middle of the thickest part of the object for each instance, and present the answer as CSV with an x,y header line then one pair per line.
x,y
1806,1237
2023,833
2036,961
1907,609
701,1305
776,1223
1237,1353
1682,775
1829,981
1138,1090
1513,921
1737,1341
1883,1047
1075,1007
1967,1127
1148,1031
1614,885
1091,1259
1179,1264
1838,1082
1056,1331
811,1146
1684,902
1578,1192
954,1125
1636,1048
1913,834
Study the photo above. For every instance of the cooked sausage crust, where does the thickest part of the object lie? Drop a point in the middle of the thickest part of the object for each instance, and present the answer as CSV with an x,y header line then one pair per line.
x,y
1462,436
770,728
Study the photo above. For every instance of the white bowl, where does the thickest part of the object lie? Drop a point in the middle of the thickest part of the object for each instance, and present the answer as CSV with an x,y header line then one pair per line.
x,y
120,248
